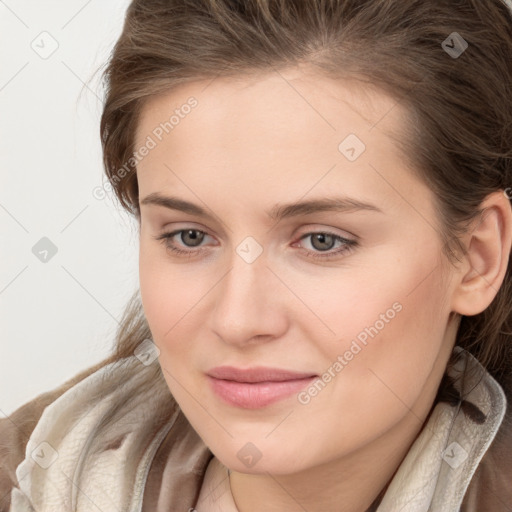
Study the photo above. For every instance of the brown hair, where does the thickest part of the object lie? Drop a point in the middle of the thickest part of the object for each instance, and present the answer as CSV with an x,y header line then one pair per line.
x,y
460,136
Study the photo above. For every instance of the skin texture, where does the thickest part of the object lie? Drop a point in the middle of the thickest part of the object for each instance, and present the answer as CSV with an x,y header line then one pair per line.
x,y
252,142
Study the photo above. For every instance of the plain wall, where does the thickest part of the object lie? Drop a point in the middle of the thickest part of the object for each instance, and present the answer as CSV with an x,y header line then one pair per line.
x,y
59,316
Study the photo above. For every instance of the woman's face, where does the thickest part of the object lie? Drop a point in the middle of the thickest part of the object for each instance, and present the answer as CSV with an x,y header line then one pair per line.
x,y
262,284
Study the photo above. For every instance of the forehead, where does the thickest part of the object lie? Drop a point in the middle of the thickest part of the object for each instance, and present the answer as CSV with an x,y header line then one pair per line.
x,y
273,136
295,100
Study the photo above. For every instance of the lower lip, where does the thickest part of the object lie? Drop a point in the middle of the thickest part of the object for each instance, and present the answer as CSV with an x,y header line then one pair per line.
x,y
258,394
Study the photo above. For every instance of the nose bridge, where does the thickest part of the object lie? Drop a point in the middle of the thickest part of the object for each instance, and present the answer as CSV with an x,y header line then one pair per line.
x,y
242,285
243,302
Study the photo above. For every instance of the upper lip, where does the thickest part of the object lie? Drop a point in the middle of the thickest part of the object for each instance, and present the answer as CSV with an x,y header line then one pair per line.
x,y
257,374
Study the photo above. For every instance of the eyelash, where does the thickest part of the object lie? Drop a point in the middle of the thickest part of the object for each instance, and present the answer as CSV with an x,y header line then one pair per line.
x,y
349,245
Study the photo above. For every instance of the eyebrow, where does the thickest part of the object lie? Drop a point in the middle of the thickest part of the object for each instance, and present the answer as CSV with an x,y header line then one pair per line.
x,y
276,213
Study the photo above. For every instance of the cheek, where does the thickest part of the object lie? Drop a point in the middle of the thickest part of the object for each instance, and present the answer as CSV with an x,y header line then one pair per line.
x,y
168,299
174,299
389,337
395,297
168,291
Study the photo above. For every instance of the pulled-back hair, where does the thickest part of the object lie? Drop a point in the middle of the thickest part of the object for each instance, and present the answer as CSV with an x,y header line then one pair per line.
x,y
459,141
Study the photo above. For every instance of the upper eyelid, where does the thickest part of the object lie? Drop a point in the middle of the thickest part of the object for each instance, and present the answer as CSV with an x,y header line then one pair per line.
x,y
313,227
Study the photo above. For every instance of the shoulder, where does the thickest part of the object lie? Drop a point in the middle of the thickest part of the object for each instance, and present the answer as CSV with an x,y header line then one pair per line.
x,y
102,429
17,428
491,485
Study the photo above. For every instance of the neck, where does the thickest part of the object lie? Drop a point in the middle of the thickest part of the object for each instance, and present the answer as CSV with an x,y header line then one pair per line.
x,y
354,483
373,507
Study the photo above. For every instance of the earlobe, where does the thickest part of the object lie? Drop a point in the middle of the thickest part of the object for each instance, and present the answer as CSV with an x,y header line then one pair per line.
x,y
488,251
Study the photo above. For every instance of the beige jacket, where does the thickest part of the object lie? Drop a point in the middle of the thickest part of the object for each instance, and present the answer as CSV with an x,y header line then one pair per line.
x,y
116,441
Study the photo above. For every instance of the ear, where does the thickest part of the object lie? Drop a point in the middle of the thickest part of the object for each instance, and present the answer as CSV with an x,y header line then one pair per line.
x,y
484,267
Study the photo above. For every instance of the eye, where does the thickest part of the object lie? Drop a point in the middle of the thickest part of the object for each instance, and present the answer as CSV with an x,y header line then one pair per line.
x,y
194,236
321,241
324,241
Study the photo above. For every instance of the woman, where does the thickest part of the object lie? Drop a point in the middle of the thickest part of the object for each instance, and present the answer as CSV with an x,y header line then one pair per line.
x,y
322,190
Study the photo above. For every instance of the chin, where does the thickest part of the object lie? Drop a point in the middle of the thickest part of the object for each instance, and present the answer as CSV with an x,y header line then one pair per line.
x,y
260,458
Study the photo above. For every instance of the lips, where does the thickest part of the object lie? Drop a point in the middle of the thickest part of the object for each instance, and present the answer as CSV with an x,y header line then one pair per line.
x,y
258,387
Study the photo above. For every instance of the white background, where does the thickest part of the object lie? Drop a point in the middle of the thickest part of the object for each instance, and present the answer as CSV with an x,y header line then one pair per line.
x,y
57,317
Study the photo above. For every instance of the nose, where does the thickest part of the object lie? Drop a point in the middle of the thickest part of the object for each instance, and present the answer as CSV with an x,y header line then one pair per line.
x,y
249,305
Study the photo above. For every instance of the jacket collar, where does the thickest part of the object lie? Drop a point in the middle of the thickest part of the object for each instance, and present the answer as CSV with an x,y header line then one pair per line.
x,y
438,468
97,443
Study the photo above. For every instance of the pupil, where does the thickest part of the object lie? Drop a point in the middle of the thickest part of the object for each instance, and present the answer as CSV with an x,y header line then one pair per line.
x,y
322,238
193,234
